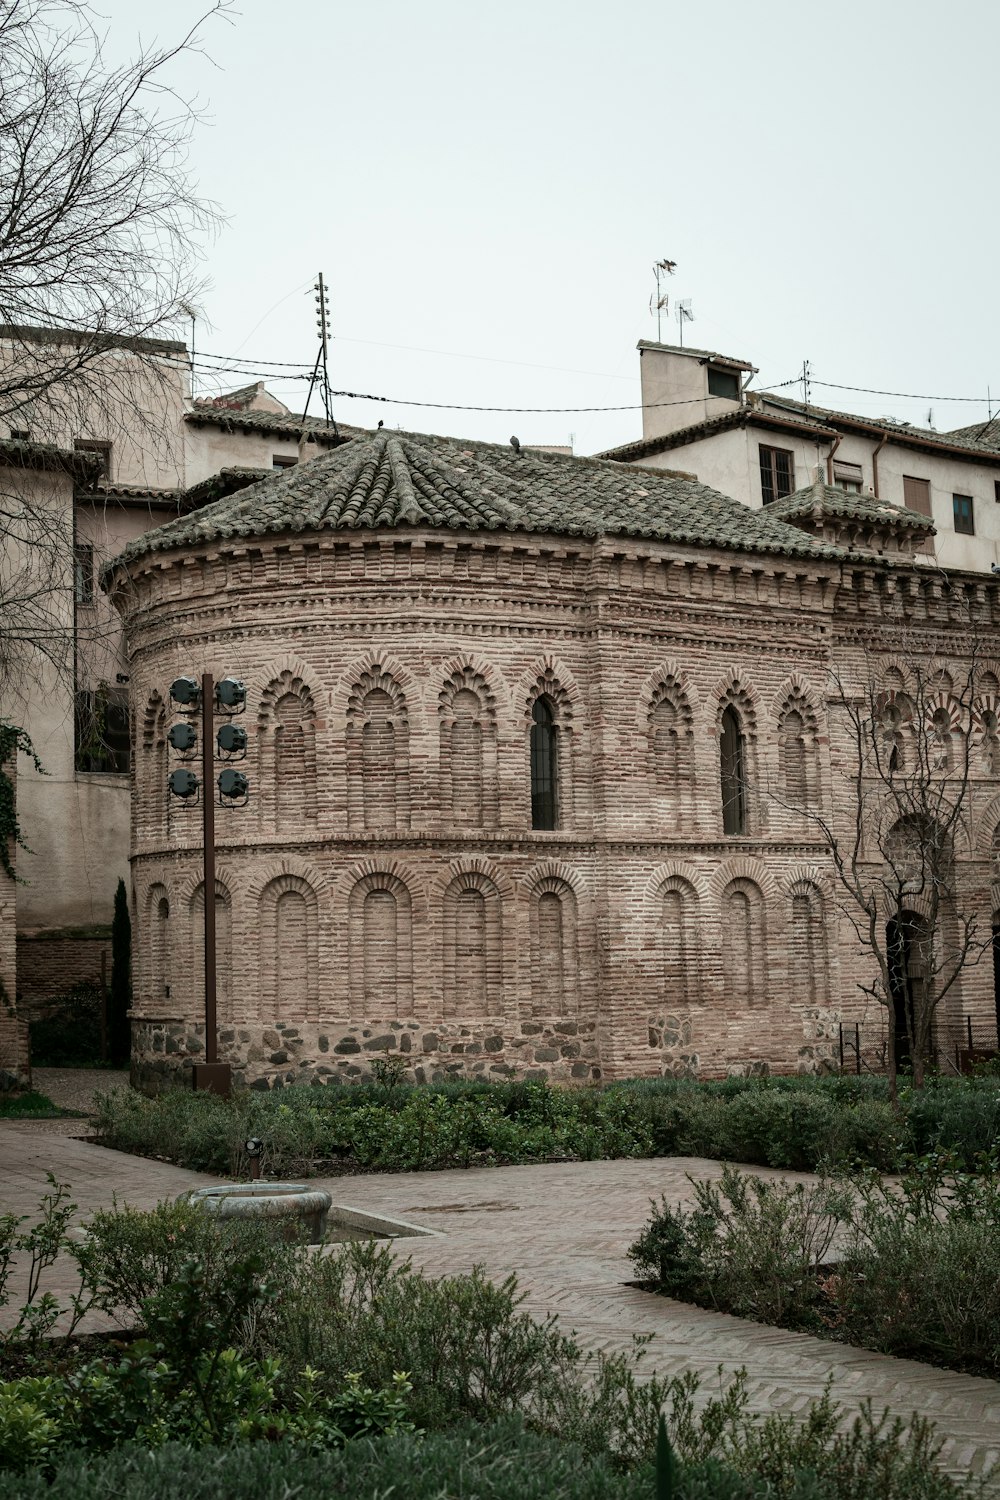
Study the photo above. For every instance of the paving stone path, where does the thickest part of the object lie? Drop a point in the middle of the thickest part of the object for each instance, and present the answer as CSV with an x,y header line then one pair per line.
x,y
564,1230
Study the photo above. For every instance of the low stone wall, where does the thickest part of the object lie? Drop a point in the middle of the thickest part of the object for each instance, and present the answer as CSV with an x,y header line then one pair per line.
x,y
272,1055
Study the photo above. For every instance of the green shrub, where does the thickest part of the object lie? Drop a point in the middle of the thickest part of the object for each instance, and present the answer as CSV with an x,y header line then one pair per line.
x,y
918,1272
69,1035
921,1273
139,1397
504,1461
748,1247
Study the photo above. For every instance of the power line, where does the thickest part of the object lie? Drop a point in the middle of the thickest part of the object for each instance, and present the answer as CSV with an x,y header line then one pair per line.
x,y
549,410
864,390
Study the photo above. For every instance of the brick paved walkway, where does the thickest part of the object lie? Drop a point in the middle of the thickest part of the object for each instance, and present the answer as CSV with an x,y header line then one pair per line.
x,y
564,1231
74,1088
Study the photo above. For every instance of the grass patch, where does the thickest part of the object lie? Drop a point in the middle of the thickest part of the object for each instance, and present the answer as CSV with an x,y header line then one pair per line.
x,y
30,1105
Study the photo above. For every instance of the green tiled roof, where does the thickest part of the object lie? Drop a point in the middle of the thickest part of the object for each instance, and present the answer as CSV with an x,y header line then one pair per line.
x,y
830,500
394,479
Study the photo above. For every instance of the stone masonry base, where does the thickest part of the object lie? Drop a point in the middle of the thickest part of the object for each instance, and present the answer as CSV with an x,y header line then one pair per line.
x,y
273,1055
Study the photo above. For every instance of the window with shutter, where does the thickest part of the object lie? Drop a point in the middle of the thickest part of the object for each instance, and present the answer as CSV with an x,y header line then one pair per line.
x,y
917,494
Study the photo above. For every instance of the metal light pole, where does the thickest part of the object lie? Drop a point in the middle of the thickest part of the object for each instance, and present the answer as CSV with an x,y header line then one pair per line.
x,y
233,790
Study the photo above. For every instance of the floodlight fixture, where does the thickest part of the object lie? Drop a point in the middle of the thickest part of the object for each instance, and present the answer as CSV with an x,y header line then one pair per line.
x,y
182,737
186,691
183,783
232,740
234,788
231,694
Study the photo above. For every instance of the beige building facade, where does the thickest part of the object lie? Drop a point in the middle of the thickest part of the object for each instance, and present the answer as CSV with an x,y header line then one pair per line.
x,y
122,451
491,829
701,416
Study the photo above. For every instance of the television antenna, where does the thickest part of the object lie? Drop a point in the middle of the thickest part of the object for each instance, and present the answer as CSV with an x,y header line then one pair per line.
x,y
659,302
684,315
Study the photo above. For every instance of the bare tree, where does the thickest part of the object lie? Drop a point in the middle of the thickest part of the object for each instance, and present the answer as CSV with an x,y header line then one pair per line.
x,y
904,729
100,231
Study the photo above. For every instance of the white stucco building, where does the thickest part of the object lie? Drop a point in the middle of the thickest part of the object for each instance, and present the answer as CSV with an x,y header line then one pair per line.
x,y
699,417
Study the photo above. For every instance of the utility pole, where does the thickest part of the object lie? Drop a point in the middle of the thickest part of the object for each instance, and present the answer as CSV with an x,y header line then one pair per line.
x,y
322,361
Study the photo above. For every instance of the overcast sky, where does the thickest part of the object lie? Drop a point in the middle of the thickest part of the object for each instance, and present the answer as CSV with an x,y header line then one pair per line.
x,y
486,187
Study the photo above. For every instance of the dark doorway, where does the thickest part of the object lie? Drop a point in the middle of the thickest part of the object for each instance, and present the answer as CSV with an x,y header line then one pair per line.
x,y
906,942
996,969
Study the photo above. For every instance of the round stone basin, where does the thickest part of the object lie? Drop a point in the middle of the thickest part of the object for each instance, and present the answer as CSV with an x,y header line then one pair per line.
x,y
292,1210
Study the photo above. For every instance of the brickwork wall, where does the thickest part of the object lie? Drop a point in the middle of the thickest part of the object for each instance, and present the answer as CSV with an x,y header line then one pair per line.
x,y
385,879
48,966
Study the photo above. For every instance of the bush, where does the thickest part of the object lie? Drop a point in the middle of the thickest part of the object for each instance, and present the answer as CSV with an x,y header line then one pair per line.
x,y
69,1036
749,1247
505,1461
918,1272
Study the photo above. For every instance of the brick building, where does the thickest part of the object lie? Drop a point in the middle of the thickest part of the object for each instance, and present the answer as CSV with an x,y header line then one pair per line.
x,y
528,739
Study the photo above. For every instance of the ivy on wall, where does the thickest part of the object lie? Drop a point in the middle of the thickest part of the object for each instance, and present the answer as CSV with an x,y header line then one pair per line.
x,y
13,740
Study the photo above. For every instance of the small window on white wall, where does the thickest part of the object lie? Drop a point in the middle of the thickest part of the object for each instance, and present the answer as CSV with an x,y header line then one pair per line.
x,y
848,476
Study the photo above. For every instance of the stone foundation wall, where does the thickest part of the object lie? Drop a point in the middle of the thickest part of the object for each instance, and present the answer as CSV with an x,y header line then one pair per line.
x,y
265,1056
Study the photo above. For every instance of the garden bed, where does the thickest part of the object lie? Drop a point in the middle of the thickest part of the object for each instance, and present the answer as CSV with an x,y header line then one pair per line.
x,y
794,1123
908,1266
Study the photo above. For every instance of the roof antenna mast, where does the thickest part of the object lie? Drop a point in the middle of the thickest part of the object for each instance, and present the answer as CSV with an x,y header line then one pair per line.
x,y
323,330
684,315
659,302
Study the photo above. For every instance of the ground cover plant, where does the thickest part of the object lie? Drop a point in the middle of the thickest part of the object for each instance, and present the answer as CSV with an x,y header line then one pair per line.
x,y
245,1364
795,1123
908,1266
29,1104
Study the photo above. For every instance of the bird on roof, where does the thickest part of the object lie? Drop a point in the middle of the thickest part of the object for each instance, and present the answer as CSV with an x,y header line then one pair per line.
x,y
515,443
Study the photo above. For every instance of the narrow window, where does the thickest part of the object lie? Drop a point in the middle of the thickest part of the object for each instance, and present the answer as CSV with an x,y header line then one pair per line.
x,y
732,750
83,572
283,461
917,494
777,473
102,732
22,435
996,487
723,383
543,765
963,514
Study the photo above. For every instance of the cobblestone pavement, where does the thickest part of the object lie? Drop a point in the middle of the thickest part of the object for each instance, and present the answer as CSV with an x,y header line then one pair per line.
x,y
564,1230
74,1088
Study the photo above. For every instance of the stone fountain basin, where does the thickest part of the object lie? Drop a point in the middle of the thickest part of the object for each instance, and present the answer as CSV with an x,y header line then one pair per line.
x,y
293,1210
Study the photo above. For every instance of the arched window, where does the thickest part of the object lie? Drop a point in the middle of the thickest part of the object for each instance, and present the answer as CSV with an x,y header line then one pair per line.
x,y
793,759
380,928
991,741
378,760
941,747
287,748
291,925
732,752
223,949
808,949
159,944
670,755
555,958
743,945
377,753
679,946
544,766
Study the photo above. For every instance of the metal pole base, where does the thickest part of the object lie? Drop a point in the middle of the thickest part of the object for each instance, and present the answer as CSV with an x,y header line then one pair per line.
x,y
216,1077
